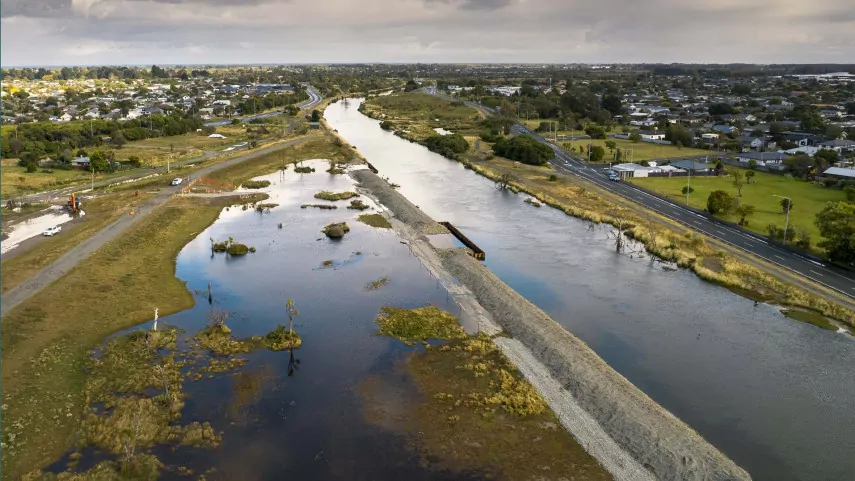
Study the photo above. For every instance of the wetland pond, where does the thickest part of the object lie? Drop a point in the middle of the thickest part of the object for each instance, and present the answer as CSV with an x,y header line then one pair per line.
x,y
337,407
774,394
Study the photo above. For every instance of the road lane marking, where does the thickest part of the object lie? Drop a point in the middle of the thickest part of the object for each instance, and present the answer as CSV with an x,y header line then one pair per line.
x,y
779,257
720,232
815,272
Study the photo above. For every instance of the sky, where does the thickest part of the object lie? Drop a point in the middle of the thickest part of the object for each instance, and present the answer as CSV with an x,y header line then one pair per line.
x,y
166,32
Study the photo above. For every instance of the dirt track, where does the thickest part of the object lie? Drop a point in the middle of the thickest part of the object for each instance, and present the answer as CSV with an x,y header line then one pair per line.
x,y
67,261
633,437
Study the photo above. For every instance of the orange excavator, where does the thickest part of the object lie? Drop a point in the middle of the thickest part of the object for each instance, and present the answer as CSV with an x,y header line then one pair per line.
x,y
73,204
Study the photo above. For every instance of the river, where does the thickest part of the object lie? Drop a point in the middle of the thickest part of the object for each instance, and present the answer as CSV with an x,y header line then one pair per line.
x,y
773,394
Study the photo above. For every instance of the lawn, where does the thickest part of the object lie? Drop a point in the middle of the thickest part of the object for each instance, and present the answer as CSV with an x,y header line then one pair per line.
x,y
319,147
637,151
157,150
15,180
808,198
47,339
420,113
100,212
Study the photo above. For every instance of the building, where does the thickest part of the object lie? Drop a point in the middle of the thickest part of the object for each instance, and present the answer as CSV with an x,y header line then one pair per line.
x,y
625,171
692,166
841,146
840,173
81,162
651,134
762,158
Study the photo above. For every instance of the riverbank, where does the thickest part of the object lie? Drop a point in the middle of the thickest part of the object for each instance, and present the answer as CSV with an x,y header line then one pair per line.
x,y
616,422
47,339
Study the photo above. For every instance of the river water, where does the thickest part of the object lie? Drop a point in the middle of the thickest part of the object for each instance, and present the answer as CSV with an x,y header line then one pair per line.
x,y
774,394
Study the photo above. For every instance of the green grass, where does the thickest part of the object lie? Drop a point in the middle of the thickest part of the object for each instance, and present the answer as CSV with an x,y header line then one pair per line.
x,y
46,340
333,196
420,113
638,151
808,198
319,147
100,212
15,180
421,324
375,220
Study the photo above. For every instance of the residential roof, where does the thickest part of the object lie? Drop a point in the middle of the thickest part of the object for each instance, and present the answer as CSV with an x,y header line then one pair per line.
x,y
692,165
840,172
763,156
628,167
838,143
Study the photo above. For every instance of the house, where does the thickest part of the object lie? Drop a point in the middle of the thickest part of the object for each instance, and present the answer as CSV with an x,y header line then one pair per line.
x,y
216,136
631,170
81,162
762,158
746,118
831,114
692,166
839,172
725,129
66,117
751,142
807,149
840,146
651,134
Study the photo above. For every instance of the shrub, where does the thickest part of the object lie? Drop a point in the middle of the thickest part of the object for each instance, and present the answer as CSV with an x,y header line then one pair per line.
x,y
849,190
447,145
687,189
336,231
255,184
387,125
333,196
525,149
553,177
719,202
777,233
357,205
236,249
32,168
304,170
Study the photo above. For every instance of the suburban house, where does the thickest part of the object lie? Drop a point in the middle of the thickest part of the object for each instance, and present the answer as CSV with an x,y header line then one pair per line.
x,y
762,158
725,129
807,149
651,134
80,162
840,146
751,142
840,173
692,166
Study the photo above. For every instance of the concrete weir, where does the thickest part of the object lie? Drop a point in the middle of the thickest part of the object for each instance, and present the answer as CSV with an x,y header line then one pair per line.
x,y
628,433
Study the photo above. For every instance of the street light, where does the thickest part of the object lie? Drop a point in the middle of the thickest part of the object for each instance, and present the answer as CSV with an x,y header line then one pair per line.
x,y
787,222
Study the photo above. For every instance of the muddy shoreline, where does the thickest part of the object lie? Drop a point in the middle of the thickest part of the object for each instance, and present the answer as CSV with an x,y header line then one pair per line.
x,y
628,433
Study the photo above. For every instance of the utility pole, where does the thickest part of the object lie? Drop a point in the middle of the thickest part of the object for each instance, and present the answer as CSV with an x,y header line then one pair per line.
x,y
689,185
787,222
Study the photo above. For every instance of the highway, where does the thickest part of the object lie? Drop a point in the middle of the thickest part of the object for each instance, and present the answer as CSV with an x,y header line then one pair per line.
x,y
832,277
314,99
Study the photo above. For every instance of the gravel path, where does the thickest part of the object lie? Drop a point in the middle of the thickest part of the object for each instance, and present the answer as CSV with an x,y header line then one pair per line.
x,y
628,433
67,261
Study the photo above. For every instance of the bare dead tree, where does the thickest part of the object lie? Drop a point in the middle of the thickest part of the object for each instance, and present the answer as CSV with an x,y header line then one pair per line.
x,y
130,443
505,180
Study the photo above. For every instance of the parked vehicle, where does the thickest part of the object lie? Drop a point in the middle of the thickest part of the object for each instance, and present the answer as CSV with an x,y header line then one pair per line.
x,y
52,231
177,181
613,176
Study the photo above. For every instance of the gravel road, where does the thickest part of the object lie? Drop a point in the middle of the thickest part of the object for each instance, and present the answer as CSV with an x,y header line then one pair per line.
x,y
628,433
67,261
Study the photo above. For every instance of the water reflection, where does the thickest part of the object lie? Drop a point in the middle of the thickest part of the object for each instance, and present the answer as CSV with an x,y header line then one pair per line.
x,y
773,394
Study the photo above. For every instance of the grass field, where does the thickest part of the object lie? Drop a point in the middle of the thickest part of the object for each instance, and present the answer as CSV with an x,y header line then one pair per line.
x,y
15,180
808,198
99,213
638,151
47,339
323,146
421,113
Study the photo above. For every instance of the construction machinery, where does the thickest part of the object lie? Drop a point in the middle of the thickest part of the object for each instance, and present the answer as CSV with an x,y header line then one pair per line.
x,y
73,204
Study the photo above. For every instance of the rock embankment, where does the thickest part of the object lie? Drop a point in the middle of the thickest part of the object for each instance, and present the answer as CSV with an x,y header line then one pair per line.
x,y
632,436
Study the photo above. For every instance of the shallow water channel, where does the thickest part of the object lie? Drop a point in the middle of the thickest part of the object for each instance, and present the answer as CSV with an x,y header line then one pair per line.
x,y
773,394
300,417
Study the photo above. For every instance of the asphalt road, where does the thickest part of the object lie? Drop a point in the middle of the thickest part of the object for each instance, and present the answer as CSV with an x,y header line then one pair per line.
x,y
67,261
832,277
314,99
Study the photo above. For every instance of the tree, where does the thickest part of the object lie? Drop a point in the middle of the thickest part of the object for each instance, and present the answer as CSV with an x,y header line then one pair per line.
x,y
678,135
316,115
719,202
595,131
597,153
119,140
612,103
134,161
799,164
97,162
15,146
849,190
757,133
825,158
738,181
743,211
411,85
635,137
836,223
292,311
505,180
32,167
786,204
720,109
833,131
687,189
611,145
749,177
522,148
752,164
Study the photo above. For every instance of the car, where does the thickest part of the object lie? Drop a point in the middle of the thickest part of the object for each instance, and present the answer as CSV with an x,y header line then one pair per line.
x,y
614,177
177,181
52,231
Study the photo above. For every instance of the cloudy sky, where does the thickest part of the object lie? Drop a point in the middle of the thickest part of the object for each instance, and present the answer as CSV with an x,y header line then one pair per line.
x,y
121,32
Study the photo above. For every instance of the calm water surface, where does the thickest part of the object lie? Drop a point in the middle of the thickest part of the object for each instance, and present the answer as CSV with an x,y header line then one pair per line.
x,y
304,423
774,394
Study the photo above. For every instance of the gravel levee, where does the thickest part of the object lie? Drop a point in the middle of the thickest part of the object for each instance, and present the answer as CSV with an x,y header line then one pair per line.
x,y
619,425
